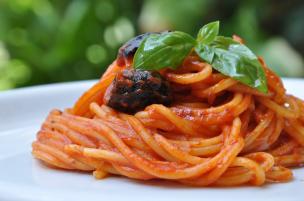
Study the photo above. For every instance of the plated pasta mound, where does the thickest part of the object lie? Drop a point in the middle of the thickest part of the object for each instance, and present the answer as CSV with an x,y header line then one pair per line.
x,y
200,111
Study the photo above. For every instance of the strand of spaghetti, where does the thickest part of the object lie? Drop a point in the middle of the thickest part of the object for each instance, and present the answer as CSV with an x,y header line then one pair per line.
x,y
100,174
108,168
49,159
285,148
279,174
178,154
100,166
105,113
222,85
147,137
188,78
241,174
198,142
234,132
80,162
63,157
192,105
280,110
85,161
102,169
157,123
206,151
273,81
156,120
245,118
119,126
261,142
52,142
235,176
293,104
237,98
183,125
75,137
235,170
278,129
183,156
265,160
50,134
166,173
259,174
289,160
113,68
110,156
234,180
295,130
123,129
240,88
73,122
82,125
216,115
43,137
300,104
214,78
259,129
132,173
77,162
130,138
243,106
81,106
214,174
77,151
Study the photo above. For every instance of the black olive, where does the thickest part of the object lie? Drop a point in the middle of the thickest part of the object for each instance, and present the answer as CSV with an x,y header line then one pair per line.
x,y
133,90
130,47
127,51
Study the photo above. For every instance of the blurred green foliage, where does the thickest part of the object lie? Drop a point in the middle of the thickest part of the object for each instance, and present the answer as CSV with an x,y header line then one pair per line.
x,y
44,41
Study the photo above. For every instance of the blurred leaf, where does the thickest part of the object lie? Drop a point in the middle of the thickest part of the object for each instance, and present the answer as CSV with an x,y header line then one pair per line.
x,y
184,15
282,58
60,40
14,73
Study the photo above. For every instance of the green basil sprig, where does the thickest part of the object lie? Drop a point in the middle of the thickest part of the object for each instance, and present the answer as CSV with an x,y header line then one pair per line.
x,y
227,56
231,58
208,33
167,49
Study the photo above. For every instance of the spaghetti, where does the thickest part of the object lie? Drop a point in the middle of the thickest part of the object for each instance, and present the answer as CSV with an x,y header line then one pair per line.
x,y
216,131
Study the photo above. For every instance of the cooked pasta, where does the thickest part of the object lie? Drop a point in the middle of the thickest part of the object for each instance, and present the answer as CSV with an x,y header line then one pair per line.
x,y
216,131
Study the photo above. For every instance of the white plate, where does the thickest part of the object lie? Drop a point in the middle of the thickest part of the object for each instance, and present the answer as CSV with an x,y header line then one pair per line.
x,y
24,178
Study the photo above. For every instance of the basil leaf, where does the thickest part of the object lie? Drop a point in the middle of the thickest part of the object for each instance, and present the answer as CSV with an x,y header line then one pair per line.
x,y
208,32
206,52
167,49
234,60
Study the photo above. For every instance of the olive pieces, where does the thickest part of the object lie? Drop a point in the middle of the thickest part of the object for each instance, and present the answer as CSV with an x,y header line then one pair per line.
x,y
127,51
133,90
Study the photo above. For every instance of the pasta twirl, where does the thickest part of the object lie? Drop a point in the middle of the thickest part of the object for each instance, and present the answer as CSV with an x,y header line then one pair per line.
x,y
217,131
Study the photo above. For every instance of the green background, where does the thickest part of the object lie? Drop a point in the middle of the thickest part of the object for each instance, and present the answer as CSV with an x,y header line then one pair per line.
x,y
47,41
